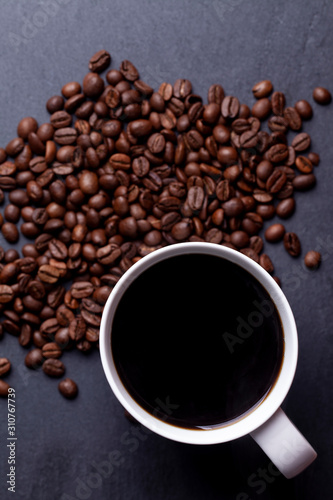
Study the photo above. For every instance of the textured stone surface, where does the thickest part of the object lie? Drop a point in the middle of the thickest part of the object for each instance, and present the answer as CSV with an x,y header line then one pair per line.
x,y
63,446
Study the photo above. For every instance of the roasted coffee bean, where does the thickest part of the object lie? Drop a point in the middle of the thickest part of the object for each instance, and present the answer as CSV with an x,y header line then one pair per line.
x,y
195,198
312,259
53,367
285,208
4,366
262,89
129,71
304,182
10,232
99,61
82,289
77,329
266,263
25,335
6,294
275,233
51,350
92,85
48,274
58,249
4,387
34,359
292,244
230,107
276,181
322,95
262,108
60,119
25,126
304,165
68,388
293,118
278,103
301,142
304,109
314,158
277,153
49,327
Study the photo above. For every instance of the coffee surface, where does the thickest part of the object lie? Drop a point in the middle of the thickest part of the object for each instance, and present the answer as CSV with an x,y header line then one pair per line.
x,y
197,341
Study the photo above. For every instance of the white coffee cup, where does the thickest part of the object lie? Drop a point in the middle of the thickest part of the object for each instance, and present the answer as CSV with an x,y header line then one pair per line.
x,y
267,423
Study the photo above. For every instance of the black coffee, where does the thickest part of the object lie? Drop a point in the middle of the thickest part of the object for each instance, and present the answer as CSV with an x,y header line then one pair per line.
x,y
197,341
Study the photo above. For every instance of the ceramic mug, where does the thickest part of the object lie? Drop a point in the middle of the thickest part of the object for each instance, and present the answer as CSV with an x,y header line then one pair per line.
x,y
267,423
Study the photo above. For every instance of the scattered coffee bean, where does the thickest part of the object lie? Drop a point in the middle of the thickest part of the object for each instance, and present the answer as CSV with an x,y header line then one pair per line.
x,y
304,109
68,388
34,359
53,367
121,170
4,389
275,233
312,259
292,244
262,89
322,95
4,366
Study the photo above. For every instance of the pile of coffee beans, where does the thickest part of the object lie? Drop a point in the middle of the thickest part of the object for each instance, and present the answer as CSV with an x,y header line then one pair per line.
x,y
121,170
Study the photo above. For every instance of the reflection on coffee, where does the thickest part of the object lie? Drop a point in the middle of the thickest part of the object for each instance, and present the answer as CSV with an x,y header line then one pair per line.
x,y
197,341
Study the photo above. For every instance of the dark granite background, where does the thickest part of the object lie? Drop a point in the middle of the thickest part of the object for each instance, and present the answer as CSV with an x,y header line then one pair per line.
x,y
64,448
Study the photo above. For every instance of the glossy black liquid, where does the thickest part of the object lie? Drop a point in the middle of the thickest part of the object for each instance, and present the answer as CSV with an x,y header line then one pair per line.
x,y
184,346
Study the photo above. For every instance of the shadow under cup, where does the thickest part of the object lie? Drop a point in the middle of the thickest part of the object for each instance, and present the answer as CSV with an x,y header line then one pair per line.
x,y
195,339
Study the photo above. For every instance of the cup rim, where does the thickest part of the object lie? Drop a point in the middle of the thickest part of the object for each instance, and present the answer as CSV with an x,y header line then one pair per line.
x,y
270,403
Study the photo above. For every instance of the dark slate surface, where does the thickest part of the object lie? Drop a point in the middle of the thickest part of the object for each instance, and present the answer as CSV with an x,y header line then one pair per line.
x,y
65,450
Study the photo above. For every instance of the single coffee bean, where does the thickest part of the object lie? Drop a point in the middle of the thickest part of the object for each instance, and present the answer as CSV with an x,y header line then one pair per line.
x,y
266,263
129,71
275,233
314,158
278,103
230,107
68,388
322,95
276,181
6,294
215,94
182,88
4,366
293,118
304,165
93,85
4,387
304,182
304,109
285,208
99,61
51,350
82,289
301,142
262,108
25,126
312,259
48,274
292,244
10,232
60,119
262,89
277,153
77,329
53,367
34,359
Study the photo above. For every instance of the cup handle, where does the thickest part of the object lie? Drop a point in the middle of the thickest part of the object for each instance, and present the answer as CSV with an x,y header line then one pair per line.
x,y
284,444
